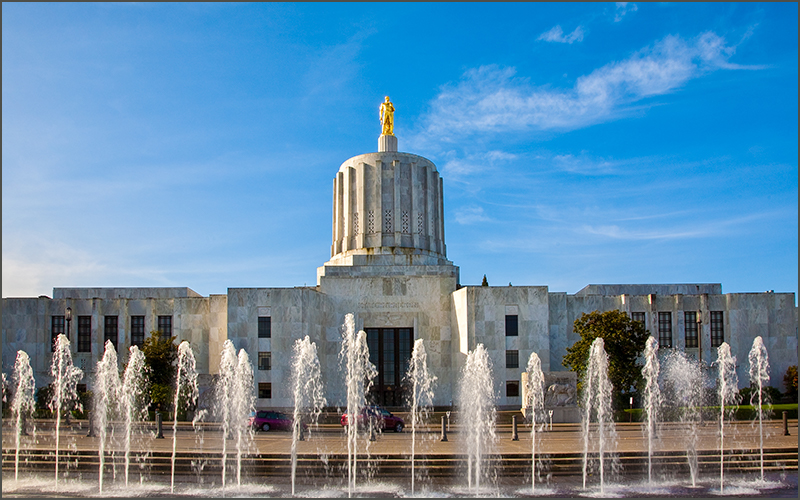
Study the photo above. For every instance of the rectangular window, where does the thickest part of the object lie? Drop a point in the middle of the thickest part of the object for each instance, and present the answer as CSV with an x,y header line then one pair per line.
x,y
264,390
137,330
56,327
165,326
717,329
264,360
264,327
512,389
638,316
665,329
512,325
84,334
690,328
390,352
111,331
512,359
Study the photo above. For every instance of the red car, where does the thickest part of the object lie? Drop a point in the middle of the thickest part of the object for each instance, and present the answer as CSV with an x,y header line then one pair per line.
x,y
267,420
385,419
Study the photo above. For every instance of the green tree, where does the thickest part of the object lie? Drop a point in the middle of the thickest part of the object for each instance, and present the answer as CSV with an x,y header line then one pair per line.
x,y
485,282
624,341
160,354
790,382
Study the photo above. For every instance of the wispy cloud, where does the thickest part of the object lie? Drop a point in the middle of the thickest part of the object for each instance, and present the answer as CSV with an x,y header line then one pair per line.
x,y
456,167
493,99
623,8
556,34
471,215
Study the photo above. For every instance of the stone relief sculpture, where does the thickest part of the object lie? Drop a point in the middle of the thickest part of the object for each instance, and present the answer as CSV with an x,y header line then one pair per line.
x,y
560,395
386,115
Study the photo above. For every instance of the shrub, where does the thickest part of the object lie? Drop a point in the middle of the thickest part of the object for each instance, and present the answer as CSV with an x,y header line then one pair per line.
x,y
790,382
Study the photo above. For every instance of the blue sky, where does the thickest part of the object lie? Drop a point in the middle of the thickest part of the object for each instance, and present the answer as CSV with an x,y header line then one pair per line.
x,y
196,144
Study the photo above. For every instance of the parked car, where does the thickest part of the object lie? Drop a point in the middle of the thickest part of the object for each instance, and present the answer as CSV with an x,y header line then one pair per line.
x,y
384,418
266,420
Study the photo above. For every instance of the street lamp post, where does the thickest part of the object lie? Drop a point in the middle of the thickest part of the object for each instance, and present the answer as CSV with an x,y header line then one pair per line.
x,y
68,317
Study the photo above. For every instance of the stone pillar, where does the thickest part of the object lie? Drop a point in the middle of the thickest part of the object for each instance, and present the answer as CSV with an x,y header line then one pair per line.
x,y
387,144
444,429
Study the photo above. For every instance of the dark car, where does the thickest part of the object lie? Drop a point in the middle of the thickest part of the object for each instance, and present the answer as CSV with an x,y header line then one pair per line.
x,y
271,420
384,418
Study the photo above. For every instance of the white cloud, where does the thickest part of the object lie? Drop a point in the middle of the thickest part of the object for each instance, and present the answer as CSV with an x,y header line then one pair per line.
x,y
470,215
623,8
494,99
456,167
555,34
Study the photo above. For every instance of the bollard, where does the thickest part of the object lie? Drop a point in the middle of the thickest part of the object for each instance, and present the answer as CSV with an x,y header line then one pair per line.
x,y
372,436
444,429
514,435
24,430
160,432
785,423
91,424
302,436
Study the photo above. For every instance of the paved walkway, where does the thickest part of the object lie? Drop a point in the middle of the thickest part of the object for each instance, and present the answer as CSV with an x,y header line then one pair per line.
x,y
331,439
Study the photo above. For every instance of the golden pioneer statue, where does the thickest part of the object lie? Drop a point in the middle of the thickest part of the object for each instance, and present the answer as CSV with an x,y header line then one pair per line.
x,y
386,115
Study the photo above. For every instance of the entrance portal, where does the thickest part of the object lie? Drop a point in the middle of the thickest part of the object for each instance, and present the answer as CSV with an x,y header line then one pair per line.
x,y
390,352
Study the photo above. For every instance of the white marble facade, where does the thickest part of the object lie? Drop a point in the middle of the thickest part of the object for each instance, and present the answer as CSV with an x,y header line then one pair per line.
x,y
389,268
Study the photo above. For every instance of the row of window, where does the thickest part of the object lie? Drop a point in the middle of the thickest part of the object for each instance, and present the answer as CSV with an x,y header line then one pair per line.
x,y
110,330
690,328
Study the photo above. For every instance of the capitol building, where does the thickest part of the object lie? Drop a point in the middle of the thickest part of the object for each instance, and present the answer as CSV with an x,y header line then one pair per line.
x,y
388,267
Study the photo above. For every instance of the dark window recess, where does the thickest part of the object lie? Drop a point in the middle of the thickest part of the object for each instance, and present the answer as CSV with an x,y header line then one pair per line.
x,y
264,327
717,329
664,329
264,360
690,328
264,390
512,359
512,389
165,326
56,327
111,330
137,330
638,316
390,352
84,334
512,325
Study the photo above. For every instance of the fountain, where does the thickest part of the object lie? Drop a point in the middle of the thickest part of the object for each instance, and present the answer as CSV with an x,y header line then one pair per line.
x,y
683,381
596,399
476,398
359,373
106,393
65,381
186,383
759,377
307,391
534,400
421,395
652,398
22,403
132,399
728,392
235,403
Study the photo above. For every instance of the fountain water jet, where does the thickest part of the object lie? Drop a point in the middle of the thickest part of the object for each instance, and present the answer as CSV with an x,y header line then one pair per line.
x,y
307,390
759,377
421,395
359,373
132,404
106,393
728,392
534,399
652,398
65,379
683,382
22,402
476,405
185,380
597,401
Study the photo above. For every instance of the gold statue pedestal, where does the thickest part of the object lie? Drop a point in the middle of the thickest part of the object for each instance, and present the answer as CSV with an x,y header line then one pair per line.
x,y
387,144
